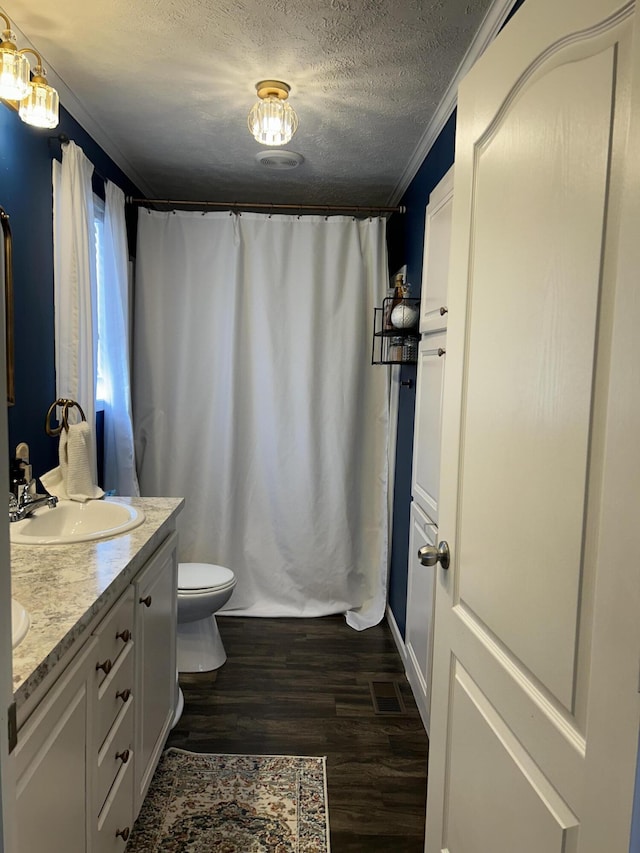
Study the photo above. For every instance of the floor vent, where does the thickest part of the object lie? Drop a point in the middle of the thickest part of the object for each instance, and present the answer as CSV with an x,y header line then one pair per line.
x,y
386,697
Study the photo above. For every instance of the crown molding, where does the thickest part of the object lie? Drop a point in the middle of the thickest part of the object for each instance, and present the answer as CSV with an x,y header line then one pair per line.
x,y
75,108
491,25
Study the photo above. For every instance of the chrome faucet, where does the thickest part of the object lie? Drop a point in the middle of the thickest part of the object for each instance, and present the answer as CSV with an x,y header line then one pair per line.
x,y
25,503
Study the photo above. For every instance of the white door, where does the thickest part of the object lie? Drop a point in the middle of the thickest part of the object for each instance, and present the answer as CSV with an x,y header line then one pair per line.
x,y
535,709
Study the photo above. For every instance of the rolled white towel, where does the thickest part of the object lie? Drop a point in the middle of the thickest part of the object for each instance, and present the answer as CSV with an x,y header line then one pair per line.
x,y
75,463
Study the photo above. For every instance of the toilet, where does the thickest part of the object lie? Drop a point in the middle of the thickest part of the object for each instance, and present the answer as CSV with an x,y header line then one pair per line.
x,y
203,588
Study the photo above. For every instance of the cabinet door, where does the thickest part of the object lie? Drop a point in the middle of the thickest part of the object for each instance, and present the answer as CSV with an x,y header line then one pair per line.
x,y
435,265
53,782
155,644
420,600
428,417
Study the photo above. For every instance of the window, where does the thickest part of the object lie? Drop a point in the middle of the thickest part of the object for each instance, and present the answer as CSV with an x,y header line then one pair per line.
x,y
102,377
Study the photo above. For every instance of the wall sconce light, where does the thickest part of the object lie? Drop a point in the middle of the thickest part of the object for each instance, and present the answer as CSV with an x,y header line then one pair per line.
x,y
38,103
272,121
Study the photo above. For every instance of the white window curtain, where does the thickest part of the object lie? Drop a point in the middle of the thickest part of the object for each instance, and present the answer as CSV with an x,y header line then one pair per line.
x,y
119,459
255,398
75,285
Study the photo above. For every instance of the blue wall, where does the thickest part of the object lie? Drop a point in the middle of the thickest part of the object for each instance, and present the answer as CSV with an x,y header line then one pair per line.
x,y
26,195
406,239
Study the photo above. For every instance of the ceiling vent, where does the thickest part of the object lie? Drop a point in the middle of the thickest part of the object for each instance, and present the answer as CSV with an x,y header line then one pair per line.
x,y
279,159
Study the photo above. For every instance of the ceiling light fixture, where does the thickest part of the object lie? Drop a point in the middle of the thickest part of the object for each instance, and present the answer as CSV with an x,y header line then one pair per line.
x,y
272,120
40,107
14,68
38,102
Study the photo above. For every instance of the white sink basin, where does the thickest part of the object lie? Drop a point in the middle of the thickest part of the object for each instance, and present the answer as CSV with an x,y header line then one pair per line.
x,y
20,623
72,521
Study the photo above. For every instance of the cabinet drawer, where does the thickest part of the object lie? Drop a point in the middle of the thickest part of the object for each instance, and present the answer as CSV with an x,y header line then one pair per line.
x,y
116,751
112,693
115,632
115,821
435,265
428,424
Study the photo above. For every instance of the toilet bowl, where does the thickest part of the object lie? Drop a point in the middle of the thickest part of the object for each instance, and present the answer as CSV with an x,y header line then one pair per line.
x,y
203,588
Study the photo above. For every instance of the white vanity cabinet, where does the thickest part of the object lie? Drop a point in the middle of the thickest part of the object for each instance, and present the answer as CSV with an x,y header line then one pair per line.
x,y
426,442
87,752
155,632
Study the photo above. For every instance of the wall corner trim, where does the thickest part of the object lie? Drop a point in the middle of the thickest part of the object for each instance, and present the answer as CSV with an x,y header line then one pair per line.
x,y
493,21
75,108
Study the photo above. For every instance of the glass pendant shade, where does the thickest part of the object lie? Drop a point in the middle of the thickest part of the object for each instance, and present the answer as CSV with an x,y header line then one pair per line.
x,y
272,121
14,72
40,107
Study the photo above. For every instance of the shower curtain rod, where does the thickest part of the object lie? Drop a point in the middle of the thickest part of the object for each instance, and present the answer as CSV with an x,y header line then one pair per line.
x,y
236,205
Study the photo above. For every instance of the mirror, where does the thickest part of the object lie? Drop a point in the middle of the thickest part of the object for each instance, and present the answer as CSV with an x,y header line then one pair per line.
x,y
7,272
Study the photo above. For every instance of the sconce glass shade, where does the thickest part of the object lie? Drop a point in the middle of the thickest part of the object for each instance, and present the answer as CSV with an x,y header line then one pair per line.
x,y
41,107
272,121
14,71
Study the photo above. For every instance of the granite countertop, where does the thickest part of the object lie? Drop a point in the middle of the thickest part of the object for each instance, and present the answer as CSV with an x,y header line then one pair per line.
x,y
63,587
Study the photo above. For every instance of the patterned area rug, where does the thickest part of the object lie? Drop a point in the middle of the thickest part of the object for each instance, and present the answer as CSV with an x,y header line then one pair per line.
x,y
201,803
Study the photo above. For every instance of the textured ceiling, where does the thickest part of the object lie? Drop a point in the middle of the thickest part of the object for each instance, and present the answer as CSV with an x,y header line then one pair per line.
x,y
168,85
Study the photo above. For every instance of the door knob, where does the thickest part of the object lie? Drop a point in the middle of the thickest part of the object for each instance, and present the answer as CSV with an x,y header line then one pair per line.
x,y
429,555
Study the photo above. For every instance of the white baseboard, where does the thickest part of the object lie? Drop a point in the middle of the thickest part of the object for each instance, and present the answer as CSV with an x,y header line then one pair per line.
x,y
410,667
416,682
397,636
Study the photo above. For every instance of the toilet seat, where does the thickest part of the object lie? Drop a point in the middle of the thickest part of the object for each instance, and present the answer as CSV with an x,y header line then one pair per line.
x,y
201,578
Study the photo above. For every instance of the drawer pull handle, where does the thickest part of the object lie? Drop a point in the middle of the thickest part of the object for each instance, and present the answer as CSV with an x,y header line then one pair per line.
x,y
123,694
123,756
146,601
123,833
125,635
105,666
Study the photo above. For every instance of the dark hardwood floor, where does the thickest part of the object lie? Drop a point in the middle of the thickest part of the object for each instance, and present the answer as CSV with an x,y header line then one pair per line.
x,y
301,687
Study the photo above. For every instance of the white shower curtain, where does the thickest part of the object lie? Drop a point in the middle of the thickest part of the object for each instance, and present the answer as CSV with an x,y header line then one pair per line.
x,y
254,397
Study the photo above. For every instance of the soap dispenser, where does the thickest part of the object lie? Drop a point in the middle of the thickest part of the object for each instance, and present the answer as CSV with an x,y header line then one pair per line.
x,y
16,477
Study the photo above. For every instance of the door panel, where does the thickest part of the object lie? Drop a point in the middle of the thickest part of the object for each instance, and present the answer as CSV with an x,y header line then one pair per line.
x,y
488,768
526,437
